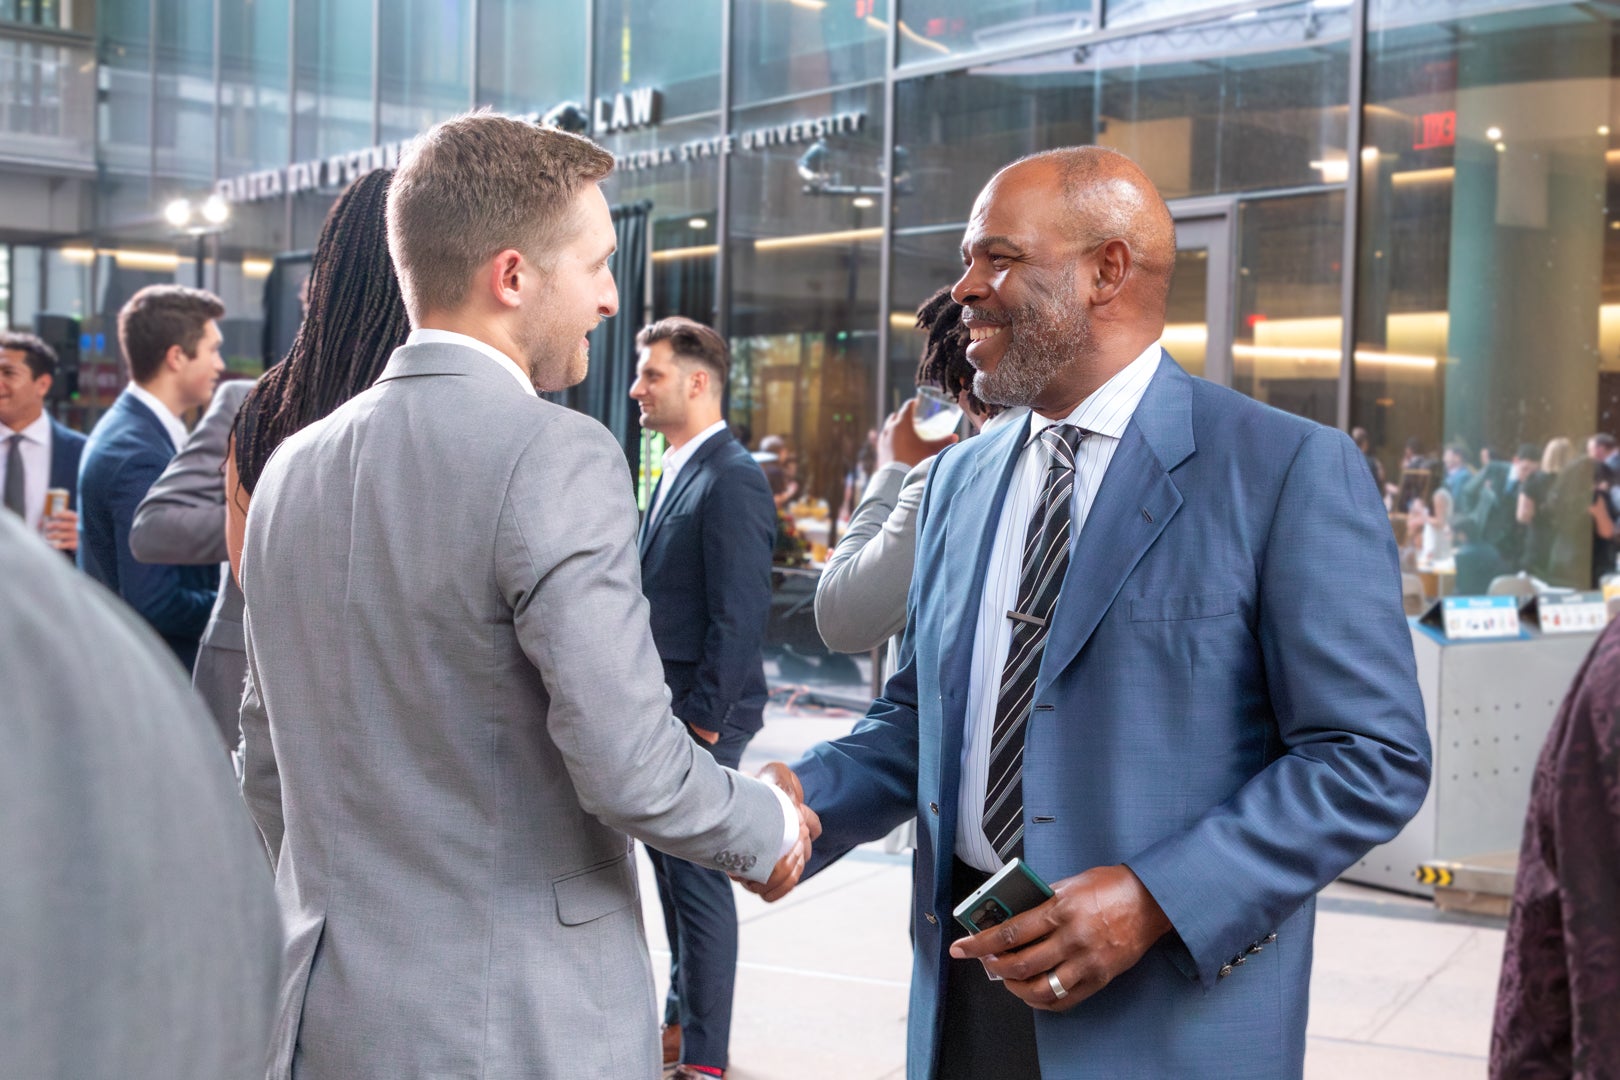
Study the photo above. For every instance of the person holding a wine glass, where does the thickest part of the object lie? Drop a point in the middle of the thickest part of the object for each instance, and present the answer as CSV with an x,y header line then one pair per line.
x,y
861,596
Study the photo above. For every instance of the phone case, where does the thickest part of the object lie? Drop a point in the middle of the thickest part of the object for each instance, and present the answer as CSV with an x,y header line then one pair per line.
x,y
1014,889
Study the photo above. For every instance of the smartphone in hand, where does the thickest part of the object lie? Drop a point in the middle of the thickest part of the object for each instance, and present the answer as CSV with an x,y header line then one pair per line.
x,y
1013,890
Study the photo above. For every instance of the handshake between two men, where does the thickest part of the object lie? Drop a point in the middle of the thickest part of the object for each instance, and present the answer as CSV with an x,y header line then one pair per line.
x,y
790,867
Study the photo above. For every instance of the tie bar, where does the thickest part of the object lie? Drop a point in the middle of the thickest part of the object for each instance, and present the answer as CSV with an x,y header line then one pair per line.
x,y
1031,619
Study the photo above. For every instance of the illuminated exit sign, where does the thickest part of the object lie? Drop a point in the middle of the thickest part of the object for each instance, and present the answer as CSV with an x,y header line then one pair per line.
x,y
1435,129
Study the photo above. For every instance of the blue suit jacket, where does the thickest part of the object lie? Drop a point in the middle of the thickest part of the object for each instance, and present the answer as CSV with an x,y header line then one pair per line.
x,y
706,572
67,447
1227,704
126,452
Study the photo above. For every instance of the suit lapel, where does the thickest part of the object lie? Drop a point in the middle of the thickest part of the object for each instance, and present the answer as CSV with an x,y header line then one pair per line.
x,y
688,474
1136,501
142,414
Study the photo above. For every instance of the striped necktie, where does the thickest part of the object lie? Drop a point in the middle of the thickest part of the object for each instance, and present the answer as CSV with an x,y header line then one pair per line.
x,y
1046,560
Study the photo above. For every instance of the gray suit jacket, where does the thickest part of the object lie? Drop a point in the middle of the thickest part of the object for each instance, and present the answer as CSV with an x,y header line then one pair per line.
x,y
861,595
141,936
182,522
454,715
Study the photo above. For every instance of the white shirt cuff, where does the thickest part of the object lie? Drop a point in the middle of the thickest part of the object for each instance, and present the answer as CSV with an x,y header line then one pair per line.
x,y
790,818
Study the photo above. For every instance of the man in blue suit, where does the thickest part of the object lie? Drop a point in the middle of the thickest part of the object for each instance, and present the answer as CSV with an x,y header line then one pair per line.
x,y
171,343
706,570
36,452
1154,647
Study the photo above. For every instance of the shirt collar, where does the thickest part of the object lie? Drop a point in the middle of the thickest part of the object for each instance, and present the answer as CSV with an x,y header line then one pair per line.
x,y
450,337
674,459
171,423
37,432
1109,409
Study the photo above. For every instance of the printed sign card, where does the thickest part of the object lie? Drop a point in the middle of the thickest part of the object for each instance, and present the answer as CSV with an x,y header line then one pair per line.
x,y
1571,613
1472,618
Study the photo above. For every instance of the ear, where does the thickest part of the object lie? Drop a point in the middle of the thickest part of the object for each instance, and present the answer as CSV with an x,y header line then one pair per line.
x,y
175,359
505,275
45,382
1113,269
700,381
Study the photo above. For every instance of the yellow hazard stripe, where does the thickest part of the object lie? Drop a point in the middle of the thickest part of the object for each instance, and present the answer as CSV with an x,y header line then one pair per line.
x,y
1433,875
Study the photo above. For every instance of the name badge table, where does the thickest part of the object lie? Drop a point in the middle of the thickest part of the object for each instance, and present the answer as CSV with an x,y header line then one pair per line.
x,y
1571,613
1474,617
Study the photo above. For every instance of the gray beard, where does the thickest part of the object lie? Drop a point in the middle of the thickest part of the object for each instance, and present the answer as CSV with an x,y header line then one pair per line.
x,y
1046,336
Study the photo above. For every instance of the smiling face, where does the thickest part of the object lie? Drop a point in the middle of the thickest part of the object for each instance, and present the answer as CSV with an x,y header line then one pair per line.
x,y
22,394
1021,288
579,293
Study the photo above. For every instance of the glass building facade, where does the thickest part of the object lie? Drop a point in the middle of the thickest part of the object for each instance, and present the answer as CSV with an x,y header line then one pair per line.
x,y
1395,215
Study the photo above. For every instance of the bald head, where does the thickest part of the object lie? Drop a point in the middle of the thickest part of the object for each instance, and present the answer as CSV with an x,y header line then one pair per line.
x,y
1107,197
1066,275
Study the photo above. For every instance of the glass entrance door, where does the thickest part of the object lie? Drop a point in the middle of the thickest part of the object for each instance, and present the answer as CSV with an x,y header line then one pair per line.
x,y
1198,324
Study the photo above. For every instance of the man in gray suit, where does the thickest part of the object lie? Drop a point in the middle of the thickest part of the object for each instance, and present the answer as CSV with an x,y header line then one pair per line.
x,y
455,712
181,522
141,934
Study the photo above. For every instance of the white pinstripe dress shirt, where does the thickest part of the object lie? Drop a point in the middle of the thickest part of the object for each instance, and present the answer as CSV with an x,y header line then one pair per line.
x,y
1105,414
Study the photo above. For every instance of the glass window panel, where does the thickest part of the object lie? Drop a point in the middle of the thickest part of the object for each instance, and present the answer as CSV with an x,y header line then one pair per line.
x,y
934,29
1287,347
787,48
426,64
530,56
671,47
253,94
125,80
1128,12
1223,106
185,91
334,107
806,232
1488,312
924,262
32,12
47,101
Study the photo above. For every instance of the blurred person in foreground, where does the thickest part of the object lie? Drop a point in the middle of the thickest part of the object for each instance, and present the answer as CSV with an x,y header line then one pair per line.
x,y
170,338
861,594
141,934
705,545
36,453
455,712
1558,1001
1187,605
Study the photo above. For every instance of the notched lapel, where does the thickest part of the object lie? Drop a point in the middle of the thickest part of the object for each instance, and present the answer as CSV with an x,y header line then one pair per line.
x,y
689,473
1135,503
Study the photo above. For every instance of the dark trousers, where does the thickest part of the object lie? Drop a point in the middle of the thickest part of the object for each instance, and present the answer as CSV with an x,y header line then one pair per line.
x,y
700,919
988,1031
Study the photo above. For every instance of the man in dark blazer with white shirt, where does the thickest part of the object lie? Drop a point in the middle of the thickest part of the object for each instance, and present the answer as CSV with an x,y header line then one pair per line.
x,y
170,338
45,453
705,546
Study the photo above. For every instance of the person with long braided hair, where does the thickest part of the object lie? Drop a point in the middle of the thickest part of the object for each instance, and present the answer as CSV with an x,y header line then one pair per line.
x,y
355,322
861,596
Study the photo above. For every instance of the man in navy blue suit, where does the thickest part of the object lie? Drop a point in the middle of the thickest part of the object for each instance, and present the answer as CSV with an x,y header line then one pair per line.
x,y
1154,647
36,452
706,570
171,343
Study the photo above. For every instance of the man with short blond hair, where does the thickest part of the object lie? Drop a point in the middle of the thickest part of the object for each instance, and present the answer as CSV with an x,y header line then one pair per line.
x,y
170,338
455,712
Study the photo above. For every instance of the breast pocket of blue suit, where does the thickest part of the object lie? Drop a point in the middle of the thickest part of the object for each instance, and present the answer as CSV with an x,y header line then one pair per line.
x,y
1210,605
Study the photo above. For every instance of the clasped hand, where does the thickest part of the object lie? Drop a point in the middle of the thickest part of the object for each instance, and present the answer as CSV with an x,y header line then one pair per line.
x,y
790,867
1096,926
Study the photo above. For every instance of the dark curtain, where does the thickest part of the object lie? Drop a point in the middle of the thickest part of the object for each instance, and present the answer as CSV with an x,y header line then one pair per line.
x,y
605,392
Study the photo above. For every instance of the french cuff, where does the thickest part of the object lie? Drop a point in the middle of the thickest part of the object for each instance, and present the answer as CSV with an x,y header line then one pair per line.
x,y
790,818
